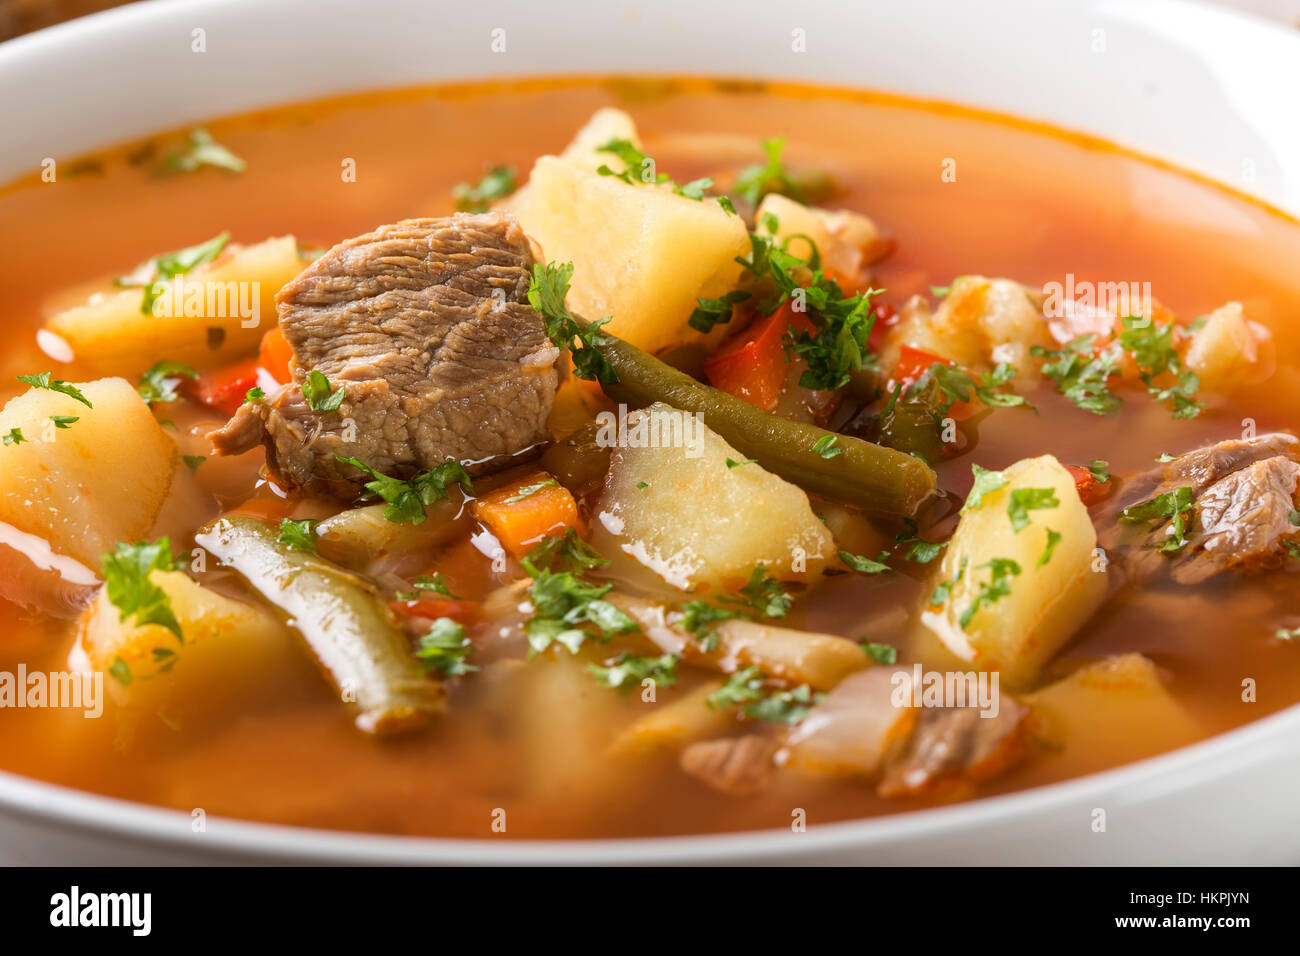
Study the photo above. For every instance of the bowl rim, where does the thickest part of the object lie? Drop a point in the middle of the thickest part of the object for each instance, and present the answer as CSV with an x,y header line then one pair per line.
x,y
155,826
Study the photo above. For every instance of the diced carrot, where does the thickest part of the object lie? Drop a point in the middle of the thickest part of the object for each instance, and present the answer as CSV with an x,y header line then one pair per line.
x,y
1090,489
274,355
463,612
886,318
523,512
753,365
224,388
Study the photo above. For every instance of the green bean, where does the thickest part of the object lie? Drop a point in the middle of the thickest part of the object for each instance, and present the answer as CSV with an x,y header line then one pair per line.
x,y
861,474
342,618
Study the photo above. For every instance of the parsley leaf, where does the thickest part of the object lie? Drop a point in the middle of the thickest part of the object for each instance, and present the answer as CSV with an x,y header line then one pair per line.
x,y
1175,505
732,463
203,150
998,586
1082,376
254,395
755,182
444,648
711,312
320,395
298,535
406,499
14,437
499,182
547,291
158,385
1152,348
1021,501
828,446
563,603
880,653
765,594
527,490
943,590
433,582
627,670
866,565
640,168
558,551
64,421
698,618
126,572
986,482
43,380
918,549
1053,539
1100,470
169,265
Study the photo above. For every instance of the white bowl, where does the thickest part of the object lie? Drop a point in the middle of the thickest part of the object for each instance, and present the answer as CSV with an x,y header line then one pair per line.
x,y
1208,90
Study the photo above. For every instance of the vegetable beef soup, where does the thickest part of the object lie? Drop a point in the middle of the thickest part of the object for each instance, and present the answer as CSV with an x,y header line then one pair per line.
x,y
580,458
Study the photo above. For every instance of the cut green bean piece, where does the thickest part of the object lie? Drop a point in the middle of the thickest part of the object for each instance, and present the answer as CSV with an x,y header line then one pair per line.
x,y
342,618
864,476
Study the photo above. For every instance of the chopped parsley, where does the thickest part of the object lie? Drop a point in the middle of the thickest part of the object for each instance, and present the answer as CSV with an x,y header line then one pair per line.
x,y
558,551
547,291
564,604
407,499
1175,505
958,385
828,446
765,594
940,291
203,150
755,182
732,463
748,688
43,380
1152,348
126,571
943,590
1083,376
998,586
254,395
429,582
171,264
444,648
918,550
1053,539
14,437
64,421
627,670
698,617
711,312
528,490
1021,501
497,183
192,462
986,482
880,653
1100,470
865,565
319,394
298,535
639,166
158,385
120,671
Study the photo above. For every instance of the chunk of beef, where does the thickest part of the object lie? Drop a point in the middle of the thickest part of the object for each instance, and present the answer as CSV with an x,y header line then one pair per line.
x,y
1243,492
426,326
957,744
737,766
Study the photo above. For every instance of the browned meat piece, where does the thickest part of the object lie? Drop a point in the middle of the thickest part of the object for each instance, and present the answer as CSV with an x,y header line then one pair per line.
x,y
1243,493
955,744
737,766
426,325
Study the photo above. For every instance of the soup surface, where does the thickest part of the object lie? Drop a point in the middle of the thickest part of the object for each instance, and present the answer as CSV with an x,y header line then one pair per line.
x,y
538,742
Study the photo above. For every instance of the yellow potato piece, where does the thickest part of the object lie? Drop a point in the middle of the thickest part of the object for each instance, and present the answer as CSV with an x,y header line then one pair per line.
x,y
221,314
86,487
641,254
1047,603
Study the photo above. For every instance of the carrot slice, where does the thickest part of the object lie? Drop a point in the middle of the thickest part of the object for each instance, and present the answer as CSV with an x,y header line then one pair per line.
x,y
224,388
1090,489
523,512
753,365
274,355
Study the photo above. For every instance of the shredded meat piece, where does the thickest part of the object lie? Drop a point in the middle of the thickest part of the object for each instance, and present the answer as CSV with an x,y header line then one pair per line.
x,y
952,744
737,766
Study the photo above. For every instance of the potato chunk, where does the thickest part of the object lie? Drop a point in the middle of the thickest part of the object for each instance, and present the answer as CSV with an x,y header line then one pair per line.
x,y
227,645
88,486
225,307
1014,628
1091,714
1229,350
605,124
640,253
846,241
683,512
